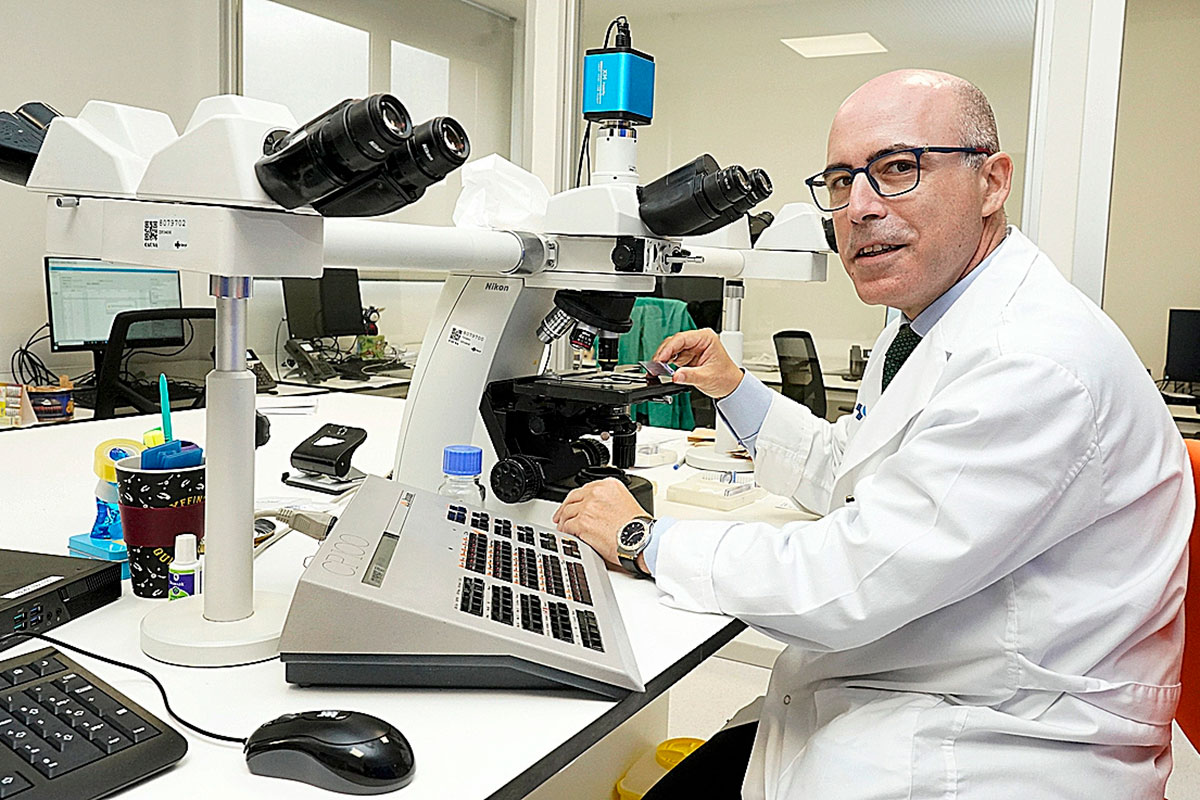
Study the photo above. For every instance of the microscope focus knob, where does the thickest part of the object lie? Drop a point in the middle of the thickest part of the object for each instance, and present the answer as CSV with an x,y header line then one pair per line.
x,y
516,479
595,452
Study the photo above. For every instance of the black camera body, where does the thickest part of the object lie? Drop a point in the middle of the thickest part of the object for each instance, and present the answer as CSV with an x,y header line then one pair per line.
x,y
360,158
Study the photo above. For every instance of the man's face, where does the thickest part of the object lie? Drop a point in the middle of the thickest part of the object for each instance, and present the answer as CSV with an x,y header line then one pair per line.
x,y
930,234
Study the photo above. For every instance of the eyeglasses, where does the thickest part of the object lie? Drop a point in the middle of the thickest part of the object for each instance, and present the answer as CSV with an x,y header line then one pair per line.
x,y
890,174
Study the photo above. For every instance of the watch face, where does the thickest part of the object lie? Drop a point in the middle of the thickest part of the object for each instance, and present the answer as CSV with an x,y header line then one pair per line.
x,y
632,534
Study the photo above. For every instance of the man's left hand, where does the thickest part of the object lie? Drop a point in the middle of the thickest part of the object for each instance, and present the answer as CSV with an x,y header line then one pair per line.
x,y
596,512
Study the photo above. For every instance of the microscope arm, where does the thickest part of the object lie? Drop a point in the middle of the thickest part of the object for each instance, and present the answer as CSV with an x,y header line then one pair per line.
x,y
371,244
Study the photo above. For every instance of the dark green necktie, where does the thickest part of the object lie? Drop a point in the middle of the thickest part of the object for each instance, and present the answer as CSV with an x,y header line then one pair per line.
x,y
898,352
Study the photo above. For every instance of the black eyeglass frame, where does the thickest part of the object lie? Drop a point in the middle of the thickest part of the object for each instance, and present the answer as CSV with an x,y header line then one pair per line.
x,y
814,181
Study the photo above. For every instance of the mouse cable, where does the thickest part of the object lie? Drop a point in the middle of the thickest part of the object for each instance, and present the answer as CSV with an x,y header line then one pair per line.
x,y
161,690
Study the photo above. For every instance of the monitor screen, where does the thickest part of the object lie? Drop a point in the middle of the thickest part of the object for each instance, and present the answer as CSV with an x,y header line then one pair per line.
x,y
83,296
1183,345
327,306
705,297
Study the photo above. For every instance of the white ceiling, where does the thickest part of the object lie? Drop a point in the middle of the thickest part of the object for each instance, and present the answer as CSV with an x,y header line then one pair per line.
x,y
966,25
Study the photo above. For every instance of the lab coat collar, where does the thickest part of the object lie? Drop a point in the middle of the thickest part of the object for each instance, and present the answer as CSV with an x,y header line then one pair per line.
x,y
910,390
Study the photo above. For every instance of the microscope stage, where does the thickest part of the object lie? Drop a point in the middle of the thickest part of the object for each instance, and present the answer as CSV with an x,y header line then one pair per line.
x,y
594,386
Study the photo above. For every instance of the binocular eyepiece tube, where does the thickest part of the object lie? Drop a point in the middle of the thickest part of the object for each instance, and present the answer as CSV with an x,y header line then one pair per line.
x,y
361,158
700,197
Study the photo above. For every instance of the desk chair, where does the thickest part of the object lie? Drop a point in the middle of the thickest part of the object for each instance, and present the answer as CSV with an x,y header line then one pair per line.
x,y
111,390
800,371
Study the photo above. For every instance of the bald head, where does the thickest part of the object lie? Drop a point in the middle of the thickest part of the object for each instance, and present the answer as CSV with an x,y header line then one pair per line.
x,y
958,101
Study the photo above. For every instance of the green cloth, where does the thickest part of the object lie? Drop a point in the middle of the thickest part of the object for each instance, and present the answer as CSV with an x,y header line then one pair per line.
x,y
654,319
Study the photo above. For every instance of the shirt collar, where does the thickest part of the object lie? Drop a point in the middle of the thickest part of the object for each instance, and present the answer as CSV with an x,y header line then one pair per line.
x,y
938,308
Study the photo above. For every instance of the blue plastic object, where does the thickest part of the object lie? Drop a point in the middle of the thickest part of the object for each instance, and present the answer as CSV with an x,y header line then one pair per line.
x,y
175,454
108,521
462,459
83,545
618,84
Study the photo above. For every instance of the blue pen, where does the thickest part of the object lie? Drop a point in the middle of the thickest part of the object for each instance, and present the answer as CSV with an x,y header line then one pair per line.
x,y
164,400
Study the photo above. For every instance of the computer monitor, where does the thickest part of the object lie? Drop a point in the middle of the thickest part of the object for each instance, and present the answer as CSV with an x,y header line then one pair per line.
x,y
327,306
1183,346
83,295
704,296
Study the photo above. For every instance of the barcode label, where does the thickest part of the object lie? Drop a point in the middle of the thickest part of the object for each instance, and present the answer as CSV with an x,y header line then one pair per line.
x,y
165,233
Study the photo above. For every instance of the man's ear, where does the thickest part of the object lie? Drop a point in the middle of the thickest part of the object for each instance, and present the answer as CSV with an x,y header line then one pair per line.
x,y
996,175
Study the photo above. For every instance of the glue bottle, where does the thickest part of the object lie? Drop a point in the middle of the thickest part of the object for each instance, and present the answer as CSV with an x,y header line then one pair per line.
x,y
183,573
462,465
108,513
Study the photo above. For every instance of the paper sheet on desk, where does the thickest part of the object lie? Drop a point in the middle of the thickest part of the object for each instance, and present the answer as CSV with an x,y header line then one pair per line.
x,y
304,404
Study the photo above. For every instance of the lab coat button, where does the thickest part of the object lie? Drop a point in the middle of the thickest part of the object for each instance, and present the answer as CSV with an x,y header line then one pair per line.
x,y
787,699
849,499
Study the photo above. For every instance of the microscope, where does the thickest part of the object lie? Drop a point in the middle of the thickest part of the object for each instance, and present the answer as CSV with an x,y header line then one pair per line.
x,y
482,375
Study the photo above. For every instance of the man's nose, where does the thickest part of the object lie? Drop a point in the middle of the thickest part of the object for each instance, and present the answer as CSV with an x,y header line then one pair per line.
x,y
865,202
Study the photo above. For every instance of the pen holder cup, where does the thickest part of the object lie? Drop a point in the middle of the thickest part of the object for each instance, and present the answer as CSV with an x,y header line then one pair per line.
x,y
156,506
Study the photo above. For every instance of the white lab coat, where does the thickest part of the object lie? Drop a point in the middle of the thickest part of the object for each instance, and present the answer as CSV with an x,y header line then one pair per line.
x,y
991,607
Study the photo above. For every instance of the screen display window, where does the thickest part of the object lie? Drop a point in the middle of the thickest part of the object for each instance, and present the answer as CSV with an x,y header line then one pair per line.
x,y
84,295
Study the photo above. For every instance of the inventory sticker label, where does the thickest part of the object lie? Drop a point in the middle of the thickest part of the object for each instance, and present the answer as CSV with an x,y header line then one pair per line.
x,y
165,233
461,337
33,587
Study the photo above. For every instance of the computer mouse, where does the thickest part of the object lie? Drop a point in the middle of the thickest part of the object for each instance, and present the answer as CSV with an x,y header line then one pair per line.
x,y
342,751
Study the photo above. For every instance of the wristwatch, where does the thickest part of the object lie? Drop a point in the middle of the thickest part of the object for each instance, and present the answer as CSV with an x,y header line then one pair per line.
x,y
631,541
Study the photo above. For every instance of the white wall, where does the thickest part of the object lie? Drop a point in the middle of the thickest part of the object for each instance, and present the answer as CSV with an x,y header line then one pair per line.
x,y
66,52
478,43
1152,263
726,85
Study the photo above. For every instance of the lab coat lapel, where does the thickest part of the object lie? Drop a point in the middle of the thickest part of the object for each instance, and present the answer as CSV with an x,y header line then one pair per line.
x,y
889,412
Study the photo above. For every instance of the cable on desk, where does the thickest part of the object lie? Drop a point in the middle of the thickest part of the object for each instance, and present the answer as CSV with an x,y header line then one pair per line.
x,y
161,689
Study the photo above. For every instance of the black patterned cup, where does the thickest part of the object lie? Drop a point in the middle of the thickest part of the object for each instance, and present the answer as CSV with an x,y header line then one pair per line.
x,y
156,506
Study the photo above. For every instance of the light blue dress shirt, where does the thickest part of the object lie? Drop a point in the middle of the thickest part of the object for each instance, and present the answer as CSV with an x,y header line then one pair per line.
x,y
745,409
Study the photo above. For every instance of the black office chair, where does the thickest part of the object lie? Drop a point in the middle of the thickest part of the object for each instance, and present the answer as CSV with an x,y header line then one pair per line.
x,y
112,391
799,370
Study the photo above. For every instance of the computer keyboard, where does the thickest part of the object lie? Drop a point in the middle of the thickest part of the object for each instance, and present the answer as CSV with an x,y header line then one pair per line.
x,y
68,735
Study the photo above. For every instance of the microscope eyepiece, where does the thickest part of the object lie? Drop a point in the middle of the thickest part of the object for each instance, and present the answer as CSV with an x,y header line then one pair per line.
x,y
700,197
361,158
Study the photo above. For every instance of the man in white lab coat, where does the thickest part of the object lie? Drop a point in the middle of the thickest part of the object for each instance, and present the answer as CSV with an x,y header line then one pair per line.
x,y
990,607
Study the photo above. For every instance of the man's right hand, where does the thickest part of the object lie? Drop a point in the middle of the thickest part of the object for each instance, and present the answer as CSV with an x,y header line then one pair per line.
x,y
706,364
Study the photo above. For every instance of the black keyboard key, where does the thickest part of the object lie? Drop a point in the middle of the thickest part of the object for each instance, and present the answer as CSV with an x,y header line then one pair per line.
x,y
111,743
10,700
471,600
589,630
13,733
527,568
580,590
552,572
560,622
502,560
531,614
502,604
12,783
47,666
17,675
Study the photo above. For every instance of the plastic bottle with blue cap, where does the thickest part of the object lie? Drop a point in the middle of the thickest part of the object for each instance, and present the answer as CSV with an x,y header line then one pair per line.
x,y
462,465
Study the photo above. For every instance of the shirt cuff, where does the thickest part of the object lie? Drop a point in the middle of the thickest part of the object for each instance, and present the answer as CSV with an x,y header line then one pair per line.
x,y
745,409
656,533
